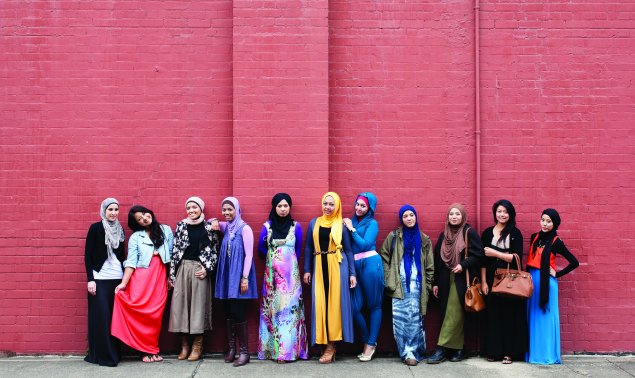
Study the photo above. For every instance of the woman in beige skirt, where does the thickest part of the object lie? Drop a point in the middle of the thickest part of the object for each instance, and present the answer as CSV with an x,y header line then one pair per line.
x,y
194,258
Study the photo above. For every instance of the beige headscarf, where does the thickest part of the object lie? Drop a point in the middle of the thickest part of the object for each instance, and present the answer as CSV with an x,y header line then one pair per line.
x,y
453,242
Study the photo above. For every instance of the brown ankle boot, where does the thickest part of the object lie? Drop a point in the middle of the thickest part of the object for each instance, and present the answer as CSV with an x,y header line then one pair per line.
x,y
241,333
185,347
197,348
230,356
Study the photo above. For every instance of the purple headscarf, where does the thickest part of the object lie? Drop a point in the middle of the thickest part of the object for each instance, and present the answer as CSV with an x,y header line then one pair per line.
x,y
237,223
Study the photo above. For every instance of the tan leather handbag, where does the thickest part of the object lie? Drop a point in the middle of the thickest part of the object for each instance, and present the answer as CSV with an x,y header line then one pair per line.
x,y
474,301
513,283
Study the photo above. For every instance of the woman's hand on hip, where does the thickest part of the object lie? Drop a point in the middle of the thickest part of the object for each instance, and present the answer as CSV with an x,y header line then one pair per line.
x,y
201,274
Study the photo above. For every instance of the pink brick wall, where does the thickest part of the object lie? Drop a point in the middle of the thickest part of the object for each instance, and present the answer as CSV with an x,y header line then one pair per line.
x,y
214,98
558,121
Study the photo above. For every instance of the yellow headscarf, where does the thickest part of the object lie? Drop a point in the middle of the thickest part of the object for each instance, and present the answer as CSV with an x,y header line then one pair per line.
x,y
334,222
331,330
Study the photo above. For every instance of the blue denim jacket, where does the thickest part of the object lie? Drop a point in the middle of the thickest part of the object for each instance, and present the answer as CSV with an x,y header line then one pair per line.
x,y
140,248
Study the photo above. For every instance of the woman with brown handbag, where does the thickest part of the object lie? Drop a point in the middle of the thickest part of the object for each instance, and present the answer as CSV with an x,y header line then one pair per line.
x,y
450,285
505,331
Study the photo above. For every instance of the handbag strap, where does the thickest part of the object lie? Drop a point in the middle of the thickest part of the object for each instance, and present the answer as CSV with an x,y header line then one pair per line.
x,y
517,258
514,257
467,276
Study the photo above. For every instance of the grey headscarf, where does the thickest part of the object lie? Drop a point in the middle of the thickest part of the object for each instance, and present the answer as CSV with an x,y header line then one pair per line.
x,y
114,231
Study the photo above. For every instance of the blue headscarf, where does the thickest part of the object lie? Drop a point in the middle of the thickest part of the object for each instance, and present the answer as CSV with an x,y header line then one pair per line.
x,y
372,204
411,246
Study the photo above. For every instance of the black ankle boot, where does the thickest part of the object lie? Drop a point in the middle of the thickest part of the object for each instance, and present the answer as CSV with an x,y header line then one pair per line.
x,y
459,355
437,357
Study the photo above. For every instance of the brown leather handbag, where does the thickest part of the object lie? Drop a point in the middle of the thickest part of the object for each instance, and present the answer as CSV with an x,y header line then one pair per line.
x,y
474,301
513,283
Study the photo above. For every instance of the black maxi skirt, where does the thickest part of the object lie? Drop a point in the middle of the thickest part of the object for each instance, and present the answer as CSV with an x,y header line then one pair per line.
x,y
505,331
103,348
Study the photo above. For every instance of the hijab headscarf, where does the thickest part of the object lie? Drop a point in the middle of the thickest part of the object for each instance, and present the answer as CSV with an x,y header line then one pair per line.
x,y
411,246
114,231
280,226
334,222
201,204
546,238
237,222
371,201
453,242
328,308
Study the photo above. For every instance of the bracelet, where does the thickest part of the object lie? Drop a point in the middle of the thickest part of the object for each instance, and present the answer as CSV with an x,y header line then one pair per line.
x,y
244,279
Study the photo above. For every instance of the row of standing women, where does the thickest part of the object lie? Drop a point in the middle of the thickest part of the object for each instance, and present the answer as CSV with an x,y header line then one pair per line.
x,y
347,275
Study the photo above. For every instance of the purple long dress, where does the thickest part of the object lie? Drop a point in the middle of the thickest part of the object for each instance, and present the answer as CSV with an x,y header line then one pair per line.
x,y
230,269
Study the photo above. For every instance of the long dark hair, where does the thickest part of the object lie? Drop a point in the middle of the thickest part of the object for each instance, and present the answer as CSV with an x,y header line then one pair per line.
x,y
156,234
511,223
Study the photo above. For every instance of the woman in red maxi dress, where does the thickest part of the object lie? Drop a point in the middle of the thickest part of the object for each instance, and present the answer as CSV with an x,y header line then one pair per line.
x,y
141,296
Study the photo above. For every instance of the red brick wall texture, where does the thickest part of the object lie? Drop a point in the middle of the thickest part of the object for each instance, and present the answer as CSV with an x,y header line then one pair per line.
x,y
154,102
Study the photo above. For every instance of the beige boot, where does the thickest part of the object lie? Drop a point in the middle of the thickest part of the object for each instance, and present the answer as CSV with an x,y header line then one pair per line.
x,y
197,348
185,347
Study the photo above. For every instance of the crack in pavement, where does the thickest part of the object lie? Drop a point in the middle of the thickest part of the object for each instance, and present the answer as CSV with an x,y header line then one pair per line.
x,y
198,365
621,368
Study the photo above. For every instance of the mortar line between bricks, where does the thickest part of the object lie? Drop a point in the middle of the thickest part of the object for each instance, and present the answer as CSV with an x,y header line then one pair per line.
x,y
621,368
198,365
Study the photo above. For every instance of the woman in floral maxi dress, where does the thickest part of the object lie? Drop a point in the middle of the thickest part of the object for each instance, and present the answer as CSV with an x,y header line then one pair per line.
x,y
282,327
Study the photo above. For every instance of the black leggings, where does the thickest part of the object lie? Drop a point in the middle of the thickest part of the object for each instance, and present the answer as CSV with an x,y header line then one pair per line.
x,y
235,310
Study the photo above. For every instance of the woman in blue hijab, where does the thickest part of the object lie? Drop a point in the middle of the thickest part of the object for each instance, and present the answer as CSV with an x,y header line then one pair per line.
x,y
409,270
370,273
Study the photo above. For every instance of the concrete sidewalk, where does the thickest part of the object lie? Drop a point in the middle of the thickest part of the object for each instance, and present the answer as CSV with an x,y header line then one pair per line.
x,y
346,366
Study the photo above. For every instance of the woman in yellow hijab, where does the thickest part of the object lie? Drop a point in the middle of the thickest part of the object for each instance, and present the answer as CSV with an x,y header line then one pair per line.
x,y
330,269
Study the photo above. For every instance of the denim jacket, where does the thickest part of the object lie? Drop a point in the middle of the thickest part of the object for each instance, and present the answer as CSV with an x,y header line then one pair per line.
x,y
140,248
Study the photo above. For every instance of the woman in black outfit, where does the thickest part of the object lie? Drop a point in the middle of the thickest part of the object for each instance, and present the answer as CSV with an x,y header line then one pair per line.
x,y
505,331
103,258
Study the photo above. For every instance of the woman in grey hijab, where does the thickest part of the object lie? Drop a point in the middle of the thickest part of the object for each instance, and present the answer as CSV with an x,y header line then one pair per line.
x,y
103,258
